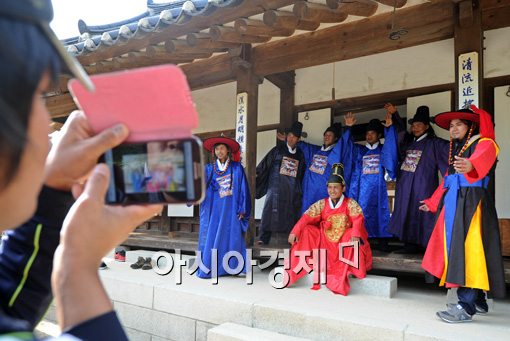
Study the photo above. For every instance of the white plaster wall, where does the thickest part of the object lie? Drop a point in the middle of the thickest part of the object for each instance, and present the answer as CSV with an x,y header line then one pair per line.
x,y
269,104
502,120
438,102
409,68
497,52
318,121
216,106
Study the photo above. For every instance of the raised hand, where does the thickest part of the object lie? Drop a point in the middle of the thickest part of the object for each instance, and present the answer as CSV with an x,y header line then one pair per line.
x,y
390,108
388,120
349,119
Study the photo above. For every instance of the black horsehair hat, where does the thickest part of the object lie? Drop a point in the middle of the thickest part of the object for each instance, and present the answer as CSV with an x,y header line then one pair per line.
x,y
422,115
336,129
337,174
40,13
296,129
375,125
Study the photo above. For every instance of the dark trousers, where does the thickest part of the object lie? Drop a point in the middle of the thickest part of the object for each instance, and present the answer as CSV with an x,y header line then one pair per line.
x,y
265,237
468,297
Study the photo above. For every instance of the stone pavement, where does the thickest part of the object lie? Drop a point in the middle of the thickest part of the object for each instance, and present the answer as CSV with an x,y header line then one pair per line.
x,y
154,307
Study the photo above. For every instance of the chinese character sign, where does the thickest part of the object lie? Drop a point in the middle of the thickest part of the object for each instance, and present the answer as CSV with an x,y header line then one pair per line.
x,y
468,79
242,107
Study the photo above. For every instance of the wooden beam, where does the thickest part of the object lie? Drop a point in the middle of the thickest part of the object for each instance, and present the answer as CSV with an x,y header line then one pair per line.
x,y
220,16
61,105
156,51
373,101
181,46
495,14
283,80
288,21
396,3
258,28
469,38
362,8
213,71
139,59
355,39
205,41
466,14
229,34
287,100
317,12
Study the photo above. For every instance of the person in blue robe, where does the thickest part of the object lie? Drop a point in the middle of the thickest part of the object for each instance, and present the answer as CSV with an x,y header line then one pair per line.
x,y
225,211
318,169
422,156
373,164
279,178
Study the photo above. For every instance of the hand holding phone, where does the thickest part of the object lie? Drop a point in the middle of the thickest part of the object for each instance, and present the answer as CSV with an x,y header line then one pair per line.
x,y
161,162
155,172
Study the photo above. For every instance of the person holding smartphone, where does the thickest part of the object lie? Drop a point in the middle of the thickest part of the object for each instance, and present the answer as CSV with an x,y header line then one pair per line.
x,y
52,243
225,212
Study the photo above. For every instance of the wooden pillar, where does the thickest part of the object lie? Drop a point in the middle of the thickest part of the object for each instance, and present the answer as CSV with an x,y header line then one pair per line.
x,y
468,37
286,82
248,82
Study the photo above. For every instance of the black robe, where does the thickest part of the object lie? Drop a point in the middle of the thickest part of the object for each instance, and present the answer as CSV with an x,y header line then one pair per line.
x,y
279,177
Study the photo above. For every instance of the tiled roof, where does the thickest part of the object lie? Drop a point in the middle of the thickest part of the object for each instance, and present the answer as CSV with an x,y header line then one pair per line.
x,y
157,17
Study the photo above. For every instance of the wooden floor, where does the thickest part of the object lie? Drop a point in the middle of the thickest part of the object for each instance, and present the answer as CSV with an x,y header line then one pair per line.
x,y
393,262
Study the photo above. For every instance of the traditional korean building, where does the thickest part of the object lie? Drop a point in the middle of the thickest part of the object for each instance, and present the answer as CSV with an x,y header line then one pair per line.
x,y
313,61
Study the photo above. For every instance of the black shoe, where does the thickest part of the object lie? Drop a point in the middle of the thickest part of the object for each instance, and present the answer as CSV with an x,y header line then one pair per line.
x,y
139,263
103,266
482,309
147,265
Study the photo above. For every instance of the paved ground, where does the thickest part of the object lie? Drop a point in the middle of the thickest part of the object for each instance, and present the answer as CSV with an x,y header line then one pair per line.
x,y
410,313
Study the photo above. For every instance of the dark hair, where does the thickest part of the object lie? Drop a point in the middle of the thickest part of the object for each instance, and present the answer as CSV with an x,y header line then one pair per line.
x,y
26,55
430,131
476,129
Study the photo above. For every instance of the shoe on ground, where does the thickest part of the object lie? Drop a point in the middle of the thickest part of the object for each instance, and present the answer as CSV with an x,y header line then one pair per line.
x,y
454,314
139,263
103,266
481,309
147,265
120,256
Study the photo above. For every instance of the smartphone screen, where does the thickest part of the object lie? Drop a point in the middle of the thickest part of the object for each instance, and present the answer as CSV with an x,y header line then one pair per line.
x,y
155,172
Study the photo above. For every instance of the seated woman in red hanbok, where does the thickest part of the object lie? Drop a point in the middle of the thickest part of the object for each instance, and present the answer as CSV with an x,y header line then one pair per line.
x,y
332,233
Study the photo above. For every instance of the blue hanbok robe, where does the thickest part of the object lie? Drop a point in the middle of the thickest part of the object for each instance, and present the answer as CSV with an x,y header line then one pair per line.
x,y
368,184
345,156
318,169
227,196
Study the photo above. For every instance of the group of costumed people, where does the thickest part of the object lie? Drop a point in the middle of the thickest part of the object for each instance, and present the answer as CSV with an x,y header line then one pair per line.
x,y
326,197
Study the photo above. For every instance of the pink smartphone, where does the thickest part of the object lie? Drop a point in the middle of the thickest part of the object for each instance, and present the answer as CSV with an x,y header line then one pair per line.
x,y
160,162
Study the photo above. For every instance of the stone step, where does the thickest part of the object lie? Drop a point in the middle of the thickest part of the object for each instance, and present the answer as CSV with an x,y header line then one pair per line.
x,y
371,285
236,332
